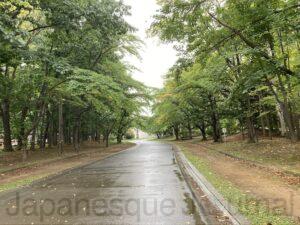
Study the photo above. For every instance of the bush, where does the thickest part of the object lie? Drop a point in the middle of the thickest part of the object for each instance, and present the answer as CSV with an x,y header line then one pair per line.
x,y
129,135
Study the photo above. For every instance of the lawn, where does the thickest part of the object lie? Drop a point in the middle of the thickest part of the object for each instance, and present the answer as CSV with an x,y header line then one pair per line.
x,y
279,152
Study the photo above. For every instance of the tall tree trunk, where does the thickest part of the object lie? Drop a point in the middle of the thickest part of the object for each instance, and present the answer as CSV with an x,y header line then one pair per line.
x,y
97,135
283,128
251,130
46,133
202,129
285,104
241,122
297,125
270,130
5,107
60,127
107,134
32,141
50,132
120,134
215,122
42,132
288,120
190,130
55,136
22,128
176,132
263,125
76,135
119,138
25,153
216,129
250,124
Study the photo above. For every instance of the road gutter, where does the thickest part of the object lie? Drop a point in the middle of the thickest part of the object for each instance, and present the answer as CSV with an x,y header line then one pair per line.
x,y
215,198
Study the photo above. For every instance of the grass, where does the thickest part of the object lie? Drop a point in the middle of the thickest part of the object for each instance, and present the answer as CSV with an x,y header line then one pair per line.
x,y
13,160
21,183
253,209
278,152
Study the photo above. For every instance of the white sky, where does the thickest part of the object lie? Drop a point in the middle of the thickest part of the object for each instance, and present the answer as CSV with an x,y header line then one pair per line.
x,y
157,57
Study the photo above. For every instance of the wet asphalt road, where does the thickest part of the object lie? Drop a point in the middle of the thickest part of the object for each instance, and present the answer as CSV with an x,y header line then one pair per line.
x,y
143,185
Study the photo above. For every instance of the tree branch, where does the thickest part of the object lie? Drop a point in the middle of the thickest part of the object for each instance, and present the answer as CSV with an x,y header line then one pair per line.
x,y
250,44
41,28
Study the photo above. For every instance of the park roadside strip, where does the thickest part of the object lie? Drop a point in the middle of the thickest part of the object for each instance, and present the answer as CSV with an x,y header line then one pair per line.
x,y
47,162
277,171
60,173
215,198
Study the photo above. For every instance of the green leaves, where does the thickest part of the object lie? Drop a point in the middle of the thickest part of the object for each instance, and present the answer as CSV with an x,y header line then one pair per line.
x,y
70,50
243,61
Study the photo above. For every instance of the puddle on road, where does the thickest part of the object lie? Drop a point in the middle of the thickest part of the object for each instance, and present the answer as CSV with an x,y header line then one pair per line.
x,y
192,209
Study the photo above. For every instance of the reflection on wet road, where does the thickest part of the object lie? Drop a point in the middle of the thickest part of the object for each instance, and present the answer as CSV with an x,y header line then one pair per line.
x,y
140,186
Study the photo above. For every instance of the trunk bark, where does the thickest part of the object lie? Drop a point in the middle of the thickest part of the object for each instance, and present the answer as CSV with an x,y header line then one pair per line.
x,y
55,136
60,127
288,120
42,134
242,128
202,129
46,133
119,139
98,138
285,105
32,142
25,154
5,107
297,125
190,131
107,139
270,127
251,130
176,132
250,125
263,125
76,138
283,129
217,136
22,128
50,132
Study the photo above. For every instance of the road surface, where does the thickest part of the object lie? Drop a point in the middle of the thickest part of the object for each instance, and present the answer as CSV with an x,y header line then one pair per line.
x,y
140,186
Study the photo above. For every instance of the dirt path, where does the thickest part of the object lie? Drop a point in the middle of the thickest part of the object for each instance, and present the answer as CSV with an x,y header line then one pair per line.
x,y
270,189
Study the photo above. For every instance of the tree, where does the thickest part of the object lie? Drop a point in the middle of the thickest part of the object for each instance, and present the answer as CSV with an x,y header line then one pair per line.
x,y
62,71
244,57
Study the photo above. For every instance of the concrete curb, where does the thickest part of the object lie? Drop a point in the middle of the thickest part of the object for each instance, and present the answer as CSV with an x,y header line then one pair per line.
x,y
44,179
212,194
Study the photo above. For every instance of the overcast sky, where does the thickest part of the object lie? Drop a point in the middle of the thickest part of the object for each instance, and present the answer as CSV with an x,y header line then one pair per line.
x,y
157,57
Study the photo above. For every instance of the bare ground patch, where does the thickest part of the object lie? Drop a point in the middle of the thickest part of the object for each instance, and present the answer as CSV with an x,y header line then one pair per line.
x,y
252,180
